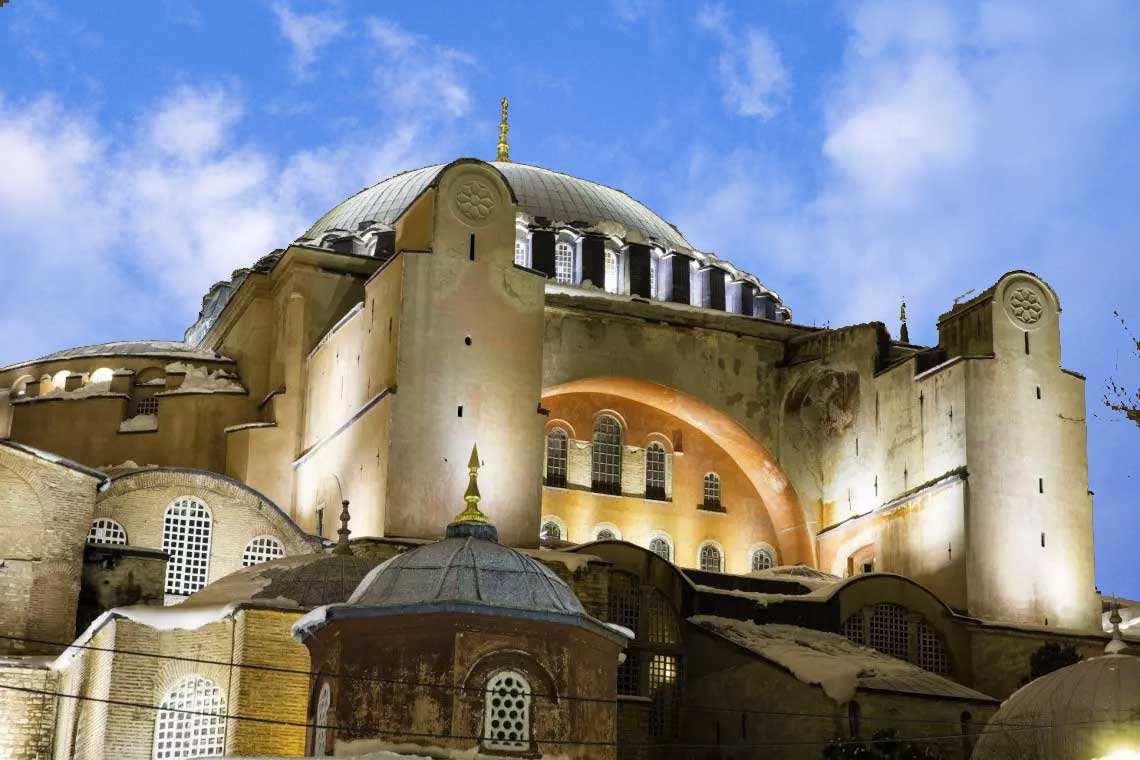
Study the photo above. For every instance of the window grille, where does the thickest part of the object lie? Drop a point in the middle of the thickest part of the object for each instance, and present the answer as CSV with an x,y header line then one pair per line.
x,y
556,445
104,531
712,490
606,455
552,530
262,549
931,651
624,602
564,264
652,275
520,252
186,539
661,547
854,628
191,721
147,405
664,678
605,534
661,622
611,272
628,674
711,561
762,559
506,720
889,630
655,471
321,719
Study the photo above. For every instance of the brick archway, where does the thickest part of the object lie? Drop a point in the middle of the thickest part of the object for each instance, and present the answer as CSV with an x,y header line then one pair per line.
x,y
797,544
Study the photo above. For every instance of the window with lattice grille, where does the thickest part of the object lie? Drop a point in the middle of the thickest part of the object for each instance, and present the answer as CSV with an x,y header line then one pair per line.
x,y
711,560
889,630
506,720
655,471
605,458
564,264
611,272
186,529
191,721
712,491
146,405
520,253
664,690
321,721
605,534
262,549
855,628
624,600
931,651
661,547
629,674
762,559
551,530
662,626
104,531
556,445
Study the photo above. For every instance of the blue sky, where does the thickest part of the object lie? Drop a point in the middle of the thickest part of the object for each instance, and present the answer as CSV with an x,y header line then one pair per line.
x,y
849,154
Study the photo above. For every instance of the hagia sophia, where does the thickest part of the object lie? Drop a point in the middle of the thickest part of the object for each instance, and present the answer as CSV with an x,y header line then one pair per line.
x,y
492,461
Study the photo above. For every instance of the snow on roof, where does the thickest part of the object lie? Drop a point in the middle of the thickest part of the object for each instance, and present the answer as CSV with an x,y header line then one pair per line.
x,y
802,574
161,348
47,456
832,662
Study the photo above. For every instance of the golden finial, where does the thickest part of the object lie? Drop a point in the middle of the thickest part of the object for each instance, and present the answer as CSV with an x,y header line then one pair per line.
x,y
472,513
504,148
904,333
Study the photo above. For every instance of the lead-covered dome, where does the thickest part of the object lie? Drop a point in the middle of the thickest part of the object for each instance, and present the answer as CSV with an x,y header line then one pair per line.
x,y
302,581
540,192
1088,710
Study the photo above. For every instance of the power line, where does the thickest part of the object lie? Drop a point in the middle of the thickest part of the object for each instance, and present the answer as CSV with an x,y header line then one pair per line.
x,y
576,742
458,687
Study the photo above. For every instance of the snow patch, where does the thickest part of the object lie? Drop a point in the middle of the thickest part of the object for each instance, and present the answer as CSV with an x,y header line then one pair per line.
x,y
139,423
202,380
310,621
622,630
572,560
90,390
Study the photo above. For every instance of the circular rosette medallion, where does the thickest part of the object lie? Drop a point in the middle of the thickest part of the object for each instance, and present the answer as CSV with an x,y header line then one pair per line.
x,y
1025,304
473,199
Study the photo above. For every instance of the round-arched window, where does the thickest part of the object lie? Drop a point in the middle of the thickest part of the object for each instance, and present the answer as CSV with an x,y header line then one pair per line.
x,y
104,531
551,530
186,529
655,471
762,558
712,491
556,445
606,455
262,549
711,559
321,722
506,712
564,263
662,547
191,721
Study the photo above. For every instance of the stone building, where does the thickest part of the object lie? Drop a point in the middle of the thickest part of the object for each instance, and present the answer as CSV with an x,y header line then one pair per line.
x,y
659,432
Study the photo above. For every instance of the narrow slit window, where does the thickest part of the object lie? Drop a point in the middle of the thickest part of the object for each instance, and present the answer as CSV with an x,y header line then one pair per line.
x,y
1026,335
471,246
1038,392
1040,485
459,410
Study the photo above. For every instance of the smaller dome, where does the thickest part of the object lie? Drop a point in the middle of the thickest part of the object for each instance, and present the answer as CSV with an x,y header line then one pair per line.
x,y
302,581
467,571
1090,709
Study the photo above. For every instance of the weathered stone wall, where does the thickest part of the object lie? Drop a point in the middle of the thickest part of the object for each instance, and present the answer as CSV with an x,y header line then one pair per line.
x,y
27,720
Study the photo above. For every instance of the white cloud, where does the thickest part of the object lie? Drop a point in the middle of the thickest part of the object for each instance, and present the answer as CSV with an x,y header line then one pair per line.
x,y
191,123
417,75
752,74
307,33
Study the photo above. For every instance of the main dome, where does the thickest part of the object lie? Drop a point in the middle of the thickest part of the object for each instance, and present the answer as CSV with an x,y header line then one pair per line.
x,y
540,193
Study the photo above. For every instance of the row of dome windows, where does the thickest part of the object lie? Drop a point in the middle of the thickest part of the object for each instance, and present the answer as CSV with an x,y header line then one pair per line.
x,y
728,294
606,463
710,555
187,528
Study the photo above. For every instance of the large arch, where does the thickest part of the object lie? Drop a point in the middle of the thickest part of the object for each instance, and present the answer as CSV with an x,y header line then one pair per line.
x,y
797,544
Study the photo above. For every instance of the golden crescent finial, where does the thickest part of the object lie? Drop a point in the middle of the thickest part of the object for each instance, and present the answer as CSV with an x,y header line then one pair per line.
x,y
504,128
472,513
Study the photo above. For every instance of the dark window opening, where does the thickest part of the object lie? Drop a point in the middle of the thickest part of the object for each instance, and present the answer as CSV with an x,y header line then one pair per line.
x,y
460,410
1040,485
471,246
1042,540
1026,342
321,521
1038,392
467,340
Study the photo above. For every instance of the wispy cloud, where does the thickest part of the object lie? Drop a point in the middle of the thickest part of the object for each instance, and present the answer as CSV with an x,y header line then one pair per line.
x,y
307,33
752,74
418,75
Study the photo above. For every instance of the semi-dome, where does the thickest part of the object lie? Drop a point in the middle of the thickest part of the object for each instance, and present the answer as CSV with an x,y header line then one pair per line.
x,y
303,581
540,193
1088,710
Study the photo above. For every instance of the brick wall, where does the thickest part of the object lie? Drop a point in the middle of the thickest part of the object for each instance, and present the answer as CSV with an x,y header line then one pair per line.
x,y
26,720
263,639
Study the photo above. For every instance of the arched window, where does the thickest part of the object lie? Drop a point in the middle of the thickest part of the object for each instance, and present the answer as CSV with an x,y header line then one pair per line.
x,y
606,455
662,547
893,630
551,529
520,252
564,263
556,444
612,272
653,274
262,549
321,721
655,471
186,539
712,491
506,712
931,653
606,532
191,721
711,559
104,531
762,558
889,630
